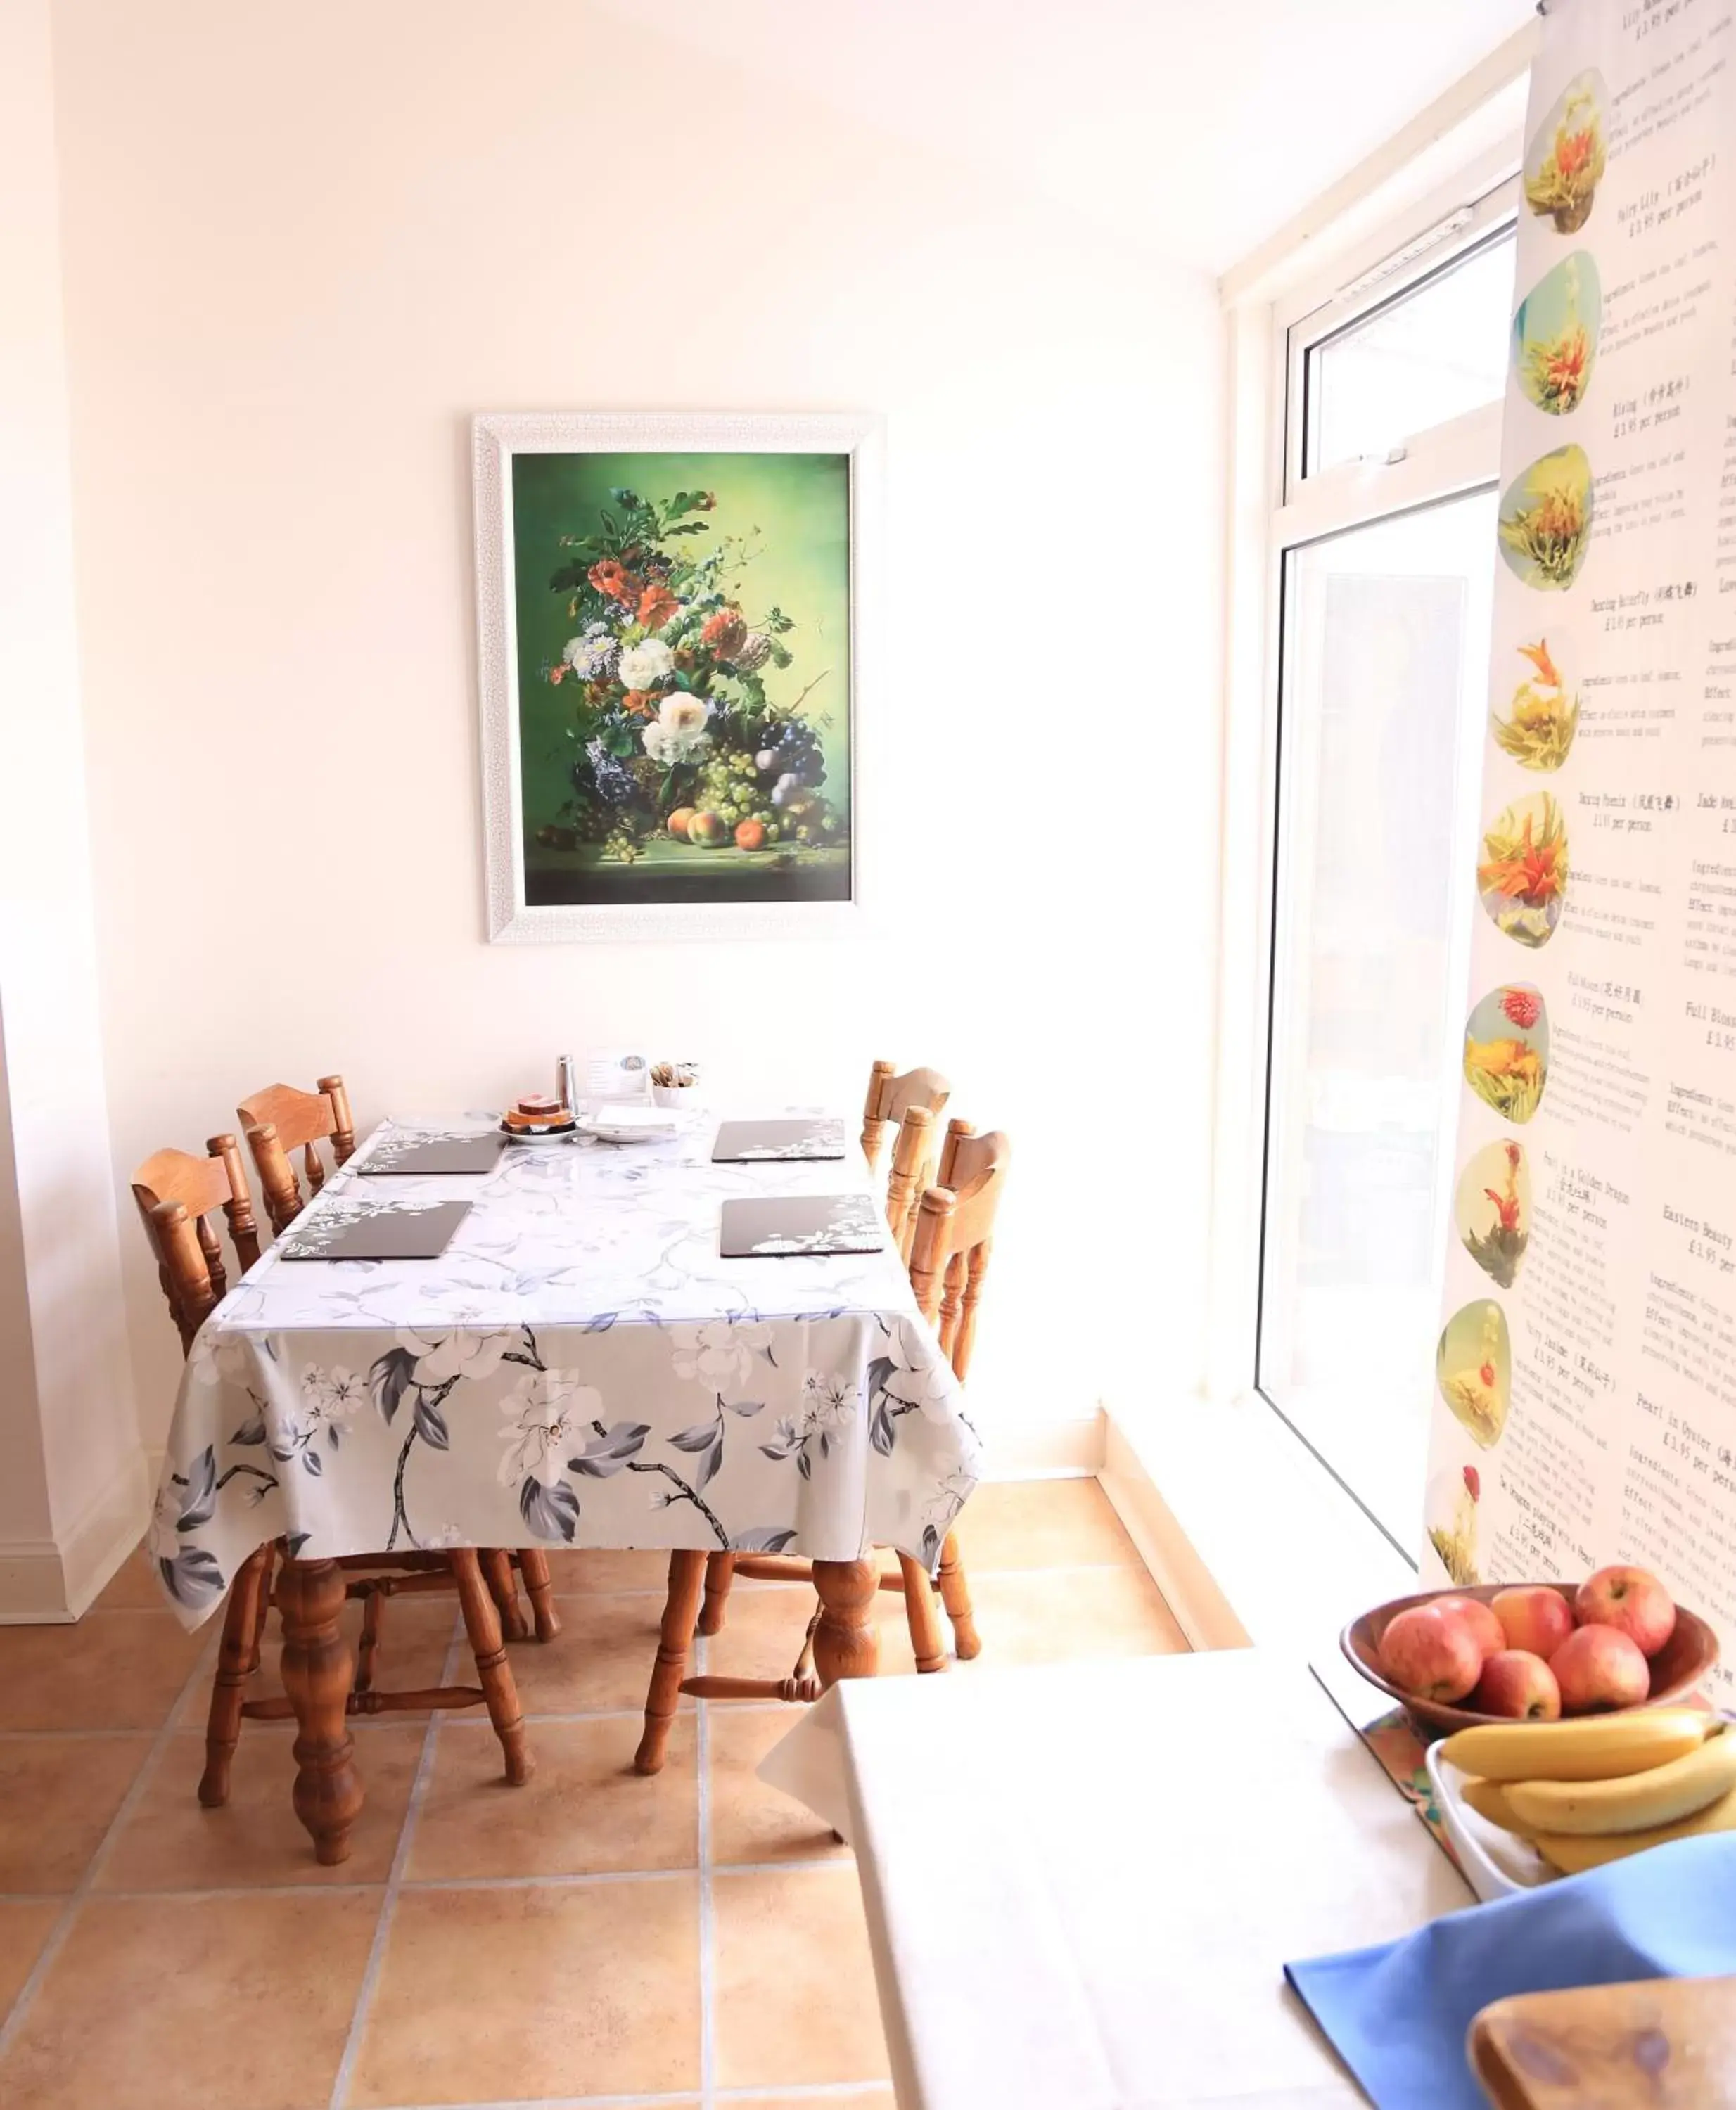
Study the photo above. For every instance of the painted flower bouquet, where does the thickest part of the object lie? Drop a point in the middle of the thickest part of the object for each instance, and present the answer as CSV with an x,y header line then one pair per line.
x,y
1500,1246
676,736
1542,717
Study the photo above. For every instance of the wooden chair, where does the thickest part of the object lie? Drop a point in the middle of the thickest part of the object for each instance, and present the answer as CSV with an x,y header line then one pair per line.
x,y
177,1193
279,1119
890,1097
951,1243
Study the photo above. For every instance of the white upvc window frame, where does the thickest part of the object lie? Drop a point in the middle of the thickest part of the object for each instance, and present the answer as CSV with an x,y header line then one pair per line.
x,y
1454,170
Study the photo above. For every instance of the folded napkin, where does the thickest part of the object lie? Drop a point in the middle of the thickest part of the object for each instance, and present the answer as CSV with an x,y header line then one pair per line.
x,y
1398,2014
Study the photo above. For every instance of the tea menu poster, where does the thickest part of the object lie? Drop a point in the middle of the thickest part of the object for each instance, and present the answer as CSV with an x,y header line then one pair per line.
x,y
1584,1404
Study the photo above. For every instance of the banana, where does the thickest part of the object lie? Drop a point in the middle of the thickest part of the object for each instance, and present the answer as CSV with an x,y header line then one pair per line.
x,y
1635,1802
1574,1852
1595,1747
1488,1798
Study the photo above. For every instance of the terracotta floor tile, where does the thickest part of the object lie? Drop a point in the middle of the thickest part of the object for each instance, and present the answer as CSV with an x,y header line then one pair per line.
x,y
25,1925
1043,1523
1071,1614
591,1990
602,1658
133,1586
57,1795
795,2003
581,1571
750,1821
155,2004
168,1842
763,1626
862,2098
583,1812
113,1670
414,1637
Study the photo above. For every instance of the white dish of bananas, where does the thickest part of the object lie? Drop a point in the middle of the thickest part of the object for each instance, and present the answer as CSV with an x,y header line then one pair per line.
x,y
1524,1802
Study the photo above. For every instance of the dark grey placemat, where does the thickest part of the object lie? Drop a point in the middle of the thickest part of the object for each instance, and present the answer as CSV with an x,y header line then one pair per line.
x,y
346,1229
788,1223
411,1155
748,1142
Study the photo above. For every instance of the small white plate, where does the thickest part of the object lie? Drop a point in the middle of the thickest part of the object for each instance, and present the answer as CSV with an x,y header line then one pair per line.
x,y
1496,1863
628,1125
541,1134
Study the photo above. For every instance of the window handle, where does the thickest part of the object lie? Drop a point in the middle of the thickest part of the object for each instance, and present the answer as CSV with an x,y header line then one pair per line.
x,y
1388,460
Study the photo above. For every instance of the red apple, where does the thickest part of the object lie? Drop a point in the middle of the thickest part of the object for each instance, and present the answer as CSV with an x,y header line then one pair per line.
x,y
1533,1617
1631,1600
1486,1630
1597,1668
1518,1685
1431,1654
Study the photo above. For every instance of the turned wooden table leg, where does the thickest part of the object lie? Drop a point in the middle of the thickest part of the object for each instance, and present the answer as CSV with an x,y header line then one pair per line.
x,y
503,1587
846,1643
318,1666
921,1615
500,1690
236,1661
680,1610
533,1565
720,1572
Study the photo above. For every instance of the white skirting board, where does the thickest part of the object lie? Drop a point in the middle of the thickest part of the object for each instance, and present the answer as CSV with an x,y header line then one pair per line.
x,y
48,1581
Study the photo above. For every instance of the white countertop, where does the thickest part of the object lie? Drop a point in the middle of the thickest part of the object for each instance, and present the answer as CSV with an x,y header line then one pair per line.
x,y
1082,1883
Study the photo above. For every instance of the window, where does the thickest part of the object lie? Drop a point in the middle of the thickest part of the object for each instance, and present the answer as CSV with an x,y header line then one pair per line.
x,y
1384,553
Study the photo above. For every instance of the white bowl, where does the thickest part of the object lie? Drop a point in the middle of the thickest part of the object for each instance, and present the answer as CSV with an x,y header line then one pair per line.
x,y
1496,1863
677,1099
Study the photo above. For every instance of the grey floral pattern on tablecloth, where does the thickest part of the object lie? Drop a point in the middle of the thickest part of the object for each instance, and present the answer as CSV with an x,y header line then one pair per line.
x,y
579,1368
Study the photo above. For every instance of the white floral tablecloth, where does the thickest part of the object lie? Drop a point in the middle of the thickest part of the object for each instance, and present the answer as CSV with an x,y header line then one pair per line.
x,y
580,1368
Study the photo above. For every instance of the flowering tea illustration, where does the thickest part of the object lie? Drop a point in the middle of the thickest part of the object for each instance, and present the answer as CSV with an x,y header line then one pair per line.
x,y
1452,1524
1542,717
1564,163
1492,1209
1522,879
1555,335
1507,1050
1546,519
1473,1368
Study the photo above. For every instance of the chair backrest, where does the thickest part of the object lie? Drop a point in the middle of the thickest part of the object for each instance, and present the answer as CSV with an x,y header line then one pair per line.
x,y
890,1097
953,1234
176,1194
279,1119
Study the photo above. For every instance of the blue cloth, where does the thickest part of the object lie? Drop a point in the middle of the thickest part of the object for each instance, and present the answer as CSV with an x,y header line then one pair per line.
x,y
1398,2014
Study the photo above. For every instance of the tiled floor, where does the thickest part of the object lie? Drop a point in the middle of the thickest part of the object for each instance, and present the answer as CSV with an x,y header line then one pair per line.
x,y
590,1939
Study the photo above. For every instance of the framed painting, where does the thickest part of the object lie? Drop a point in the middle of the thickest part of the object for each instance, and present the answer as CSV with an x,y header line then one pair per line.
x,y
670,644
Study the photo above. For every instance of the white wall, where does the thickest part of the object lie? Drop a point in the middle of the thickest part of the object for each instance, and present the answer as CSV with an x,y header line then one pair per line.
x,y
302,245
70,1468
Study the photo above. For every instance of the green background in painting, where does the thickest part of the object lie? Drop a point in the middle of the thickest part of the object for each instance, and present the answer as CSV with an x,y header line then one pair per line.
x,y
800,504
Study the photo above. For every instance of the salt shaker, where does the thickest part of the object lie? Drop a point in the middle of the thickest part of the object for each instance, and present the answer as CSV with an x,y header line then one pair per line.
x,y
566,1083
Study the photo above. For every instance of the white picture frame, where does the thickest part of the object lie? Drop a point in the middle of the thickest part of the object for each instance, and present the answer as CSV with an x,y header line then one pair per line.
x,y
497,437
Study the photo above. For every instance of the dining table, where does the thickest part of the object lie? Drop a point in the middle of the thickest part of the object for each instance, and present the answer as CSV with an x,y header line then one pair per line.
x,y
580,1367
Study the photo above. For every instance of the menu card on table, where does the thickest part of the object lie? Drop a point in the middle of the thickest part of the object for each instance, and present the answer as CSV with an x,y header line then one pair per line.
x,y
1585,1375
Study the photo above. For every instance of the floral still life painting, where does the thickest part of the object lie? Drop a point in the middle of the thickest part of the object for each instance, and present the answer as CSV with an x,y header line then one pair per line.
x,y
682,673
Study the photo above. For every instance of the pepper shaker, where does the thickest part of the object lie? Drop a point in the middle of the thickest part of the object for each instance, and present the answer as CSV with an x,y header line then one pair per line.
x,y
566,1083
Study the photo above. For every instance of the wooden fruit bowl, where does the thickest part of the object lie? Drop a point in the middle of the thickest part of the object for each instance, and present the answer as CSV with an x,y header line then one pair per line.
x,y
1680,1665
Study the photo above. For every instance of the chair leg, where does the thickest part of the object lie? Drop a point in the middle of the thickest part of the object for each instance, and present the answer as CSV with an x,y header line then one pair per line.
x,y
533,1565
237,1659
956,1596
924,1621
503,1587
482,1624
267,1576
680,1611
720,1574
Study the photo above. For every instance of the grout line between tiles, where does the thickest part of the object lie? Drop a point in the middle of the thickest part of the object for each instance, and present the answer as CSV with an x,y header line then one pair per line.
x,y
371,1970
57,1934
842,2092
708,2047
